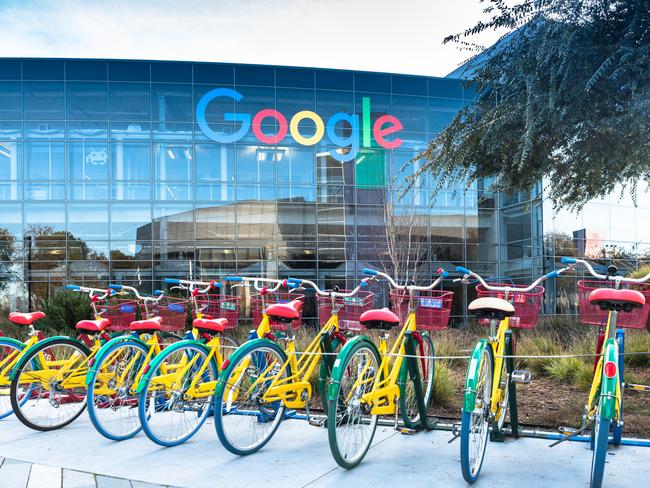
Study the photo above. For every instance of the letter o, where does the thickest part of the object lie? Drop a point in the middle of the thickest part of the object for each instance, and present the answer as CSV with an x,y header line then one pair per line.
x,y
295,132
257,126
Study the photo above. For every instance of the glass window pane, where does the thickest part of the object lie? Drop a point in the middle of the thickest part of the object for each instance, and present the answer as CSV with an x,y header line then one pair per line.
x,y
87,130
129,221
442,112
254,75
128,71
131,131
130,161
10,69
10,160
170,71
88,161
295,77
11,131
88,221
445,88
215,162
43,70
296,165
334,80
44,190
88,190
44,160
10,101
129,101
411,111
173,161
45,130
44,100
44,218
11,218
372,82
172,103
214,73
409,85
87,101
126,190
255,163
173,222
86,70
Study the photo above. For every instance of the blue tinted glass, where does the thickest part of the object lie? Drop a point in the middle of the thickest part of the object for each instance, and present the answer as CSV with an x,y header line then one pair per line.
x,y
442,112
88,161
87,130
334,80
87,101
445,88
255,163
10,101
44,218
372,82
11,216
330,102
130,161
86,70
296,165
44,160
215,192
173,191
411,111
44,190
170,131
43,70
409,85
255,99
130,220
215,110
223,74
254,75
256,192
291,101
129,101
172,103
131,131
10,191
127,190
173,161
88,190
295,77
48,129
88,221
128,71
10,160
10,69
44,100
176,72
297,193
215,162
11,130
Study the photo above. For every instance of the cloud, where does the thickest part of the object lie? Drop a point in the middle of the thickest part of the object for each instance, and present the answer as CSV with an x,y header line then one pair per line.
x,y
380,35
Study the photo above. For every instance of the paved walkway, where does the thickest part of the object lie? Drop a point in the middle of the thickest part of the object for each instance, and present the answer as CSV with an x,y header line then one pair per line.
x,y
298,456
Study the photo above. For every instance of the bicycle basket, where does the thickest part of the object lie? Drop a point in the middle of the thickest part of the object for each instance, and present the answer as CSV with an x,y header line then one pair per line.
x,y
350,309
271,298
218,307
172,310
527,304
593,315
434,308
120,312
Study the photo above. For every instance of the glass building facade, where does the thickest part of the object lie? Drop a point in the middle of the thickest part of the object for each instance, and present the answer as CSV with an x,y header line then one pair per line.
x,y
106,174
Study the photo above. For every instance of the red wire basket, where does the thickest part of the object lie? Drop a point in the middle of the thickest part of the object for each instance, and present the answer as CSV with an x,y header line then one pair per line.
x,y
434,308
593,315
271,298
172,310
218,307
350,311
119,311
527,303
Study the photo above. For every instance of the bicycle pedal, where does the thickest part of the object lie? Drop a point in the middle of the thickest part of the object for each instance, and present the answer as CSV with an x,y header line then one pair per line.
x,y
567,430
521,376
406,431
317,422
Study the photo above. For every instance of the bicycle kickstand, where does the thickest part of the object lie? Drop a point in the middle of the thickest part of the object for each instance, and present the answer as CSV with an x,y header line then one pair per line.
x,y
571,435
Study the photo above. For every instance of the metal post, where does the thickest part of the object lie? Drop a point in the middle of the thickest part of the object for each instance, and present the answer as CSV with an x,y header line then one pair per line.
x,y
414,374
618,426
512,387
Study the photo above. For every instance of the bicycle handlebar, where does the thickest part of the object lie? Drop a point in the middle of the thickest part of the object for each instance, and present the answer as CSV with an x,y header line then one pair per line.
x,y
620,279
130,289
552,274
102,293
256,282
193,285
441,274
295,283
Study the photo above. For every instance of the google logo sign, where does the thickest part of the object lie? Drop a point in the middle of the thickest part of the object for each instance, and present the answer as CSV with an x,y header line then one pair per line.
x,y
362,129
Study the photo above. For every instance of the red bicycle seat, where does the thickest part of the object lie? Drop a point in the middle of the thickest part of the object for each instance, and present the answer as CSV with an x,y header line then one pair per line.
x,y
92,326
210,325
285,311
25,318
379,318
613,299
147,325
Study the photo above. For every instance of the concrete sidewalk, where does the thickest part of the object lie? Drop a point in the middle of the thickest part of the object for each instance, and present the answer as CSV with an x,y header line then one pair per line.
x,y
299,456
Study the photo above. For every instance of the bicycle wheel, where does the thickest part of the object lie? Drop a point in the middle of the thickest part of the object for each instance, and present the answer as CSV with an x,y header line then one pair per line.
x,y
350,423
426,366
9,352
601,442
244,419
112,402
504,393
475,425
55,373
176,398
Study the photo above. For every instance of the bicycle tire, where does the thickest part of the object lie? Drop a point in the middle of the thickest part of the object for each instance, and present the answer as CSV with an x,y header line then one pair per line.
x,y
6,345
409,410
599,454
30,360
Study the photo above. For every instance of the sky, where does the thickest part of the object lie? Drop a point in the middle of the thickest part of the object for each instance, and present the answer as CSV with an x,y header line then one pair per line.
x,y
400,36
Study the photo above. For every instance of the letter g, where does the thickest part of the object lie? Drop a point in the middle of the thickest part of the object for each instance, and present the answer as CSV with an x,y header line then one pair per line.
x,y
222,137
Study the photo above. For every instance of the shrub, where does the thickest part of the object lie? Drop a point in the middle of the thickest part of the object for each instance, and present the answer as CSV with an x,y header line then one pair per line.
x,y
637,341
63,310
443,384
570,370
537,344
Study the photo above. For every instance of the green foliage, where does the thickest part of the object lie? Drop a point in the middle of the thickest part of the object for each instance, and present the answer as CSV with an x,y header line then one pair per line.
x,y
7,252
636,342
443,384
564,97
63,310
570,370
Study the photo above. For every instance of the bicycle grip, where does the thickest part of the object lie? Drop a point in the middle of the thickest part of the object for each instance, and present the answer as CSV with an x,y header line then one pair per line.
x,y
72,287
172,281
294,282
158,292
460,269
115,287
233,278
568,260
369,272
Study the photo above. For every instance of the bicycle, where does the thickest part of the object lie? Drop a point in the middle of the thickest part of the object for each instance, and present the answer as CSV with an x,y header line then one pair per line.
x,y
118,366
48,379
489,385
175,391
600,304
264,383
368,380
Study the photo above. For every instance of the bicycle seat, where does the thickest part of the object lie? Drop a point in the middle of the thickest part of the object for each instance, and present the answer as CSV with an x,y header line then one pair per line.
x,y
25,318
379,318
285,312
146,326
92,326
491,308
620,300
210,325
